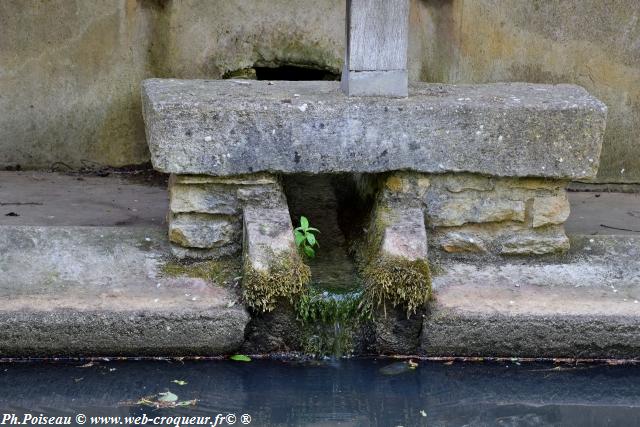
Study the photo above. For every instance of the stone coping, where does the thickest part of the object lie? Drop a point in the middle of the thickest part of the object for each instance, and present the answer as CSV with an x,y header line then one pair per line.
x,y
229,127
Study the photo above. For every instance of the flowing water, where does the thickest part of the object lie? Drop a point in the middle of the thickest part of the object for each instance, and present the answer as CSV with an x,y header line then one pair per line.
x,y
345,392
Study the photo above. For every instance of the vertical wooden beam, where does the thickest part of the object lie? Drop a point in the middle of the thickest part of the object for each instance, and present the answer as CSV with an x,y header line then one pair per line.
x,y
376,48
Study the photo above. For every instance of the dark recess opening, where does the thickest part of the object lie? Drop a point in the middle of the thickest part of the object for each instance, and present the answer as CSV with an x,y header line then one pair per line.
x,y
333,204
292,72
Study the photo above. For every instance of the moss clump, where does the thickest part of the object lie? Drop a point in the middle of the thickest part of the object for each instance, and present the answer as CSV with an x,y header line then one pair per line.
x,y
218,271
329,321
397,281
286,278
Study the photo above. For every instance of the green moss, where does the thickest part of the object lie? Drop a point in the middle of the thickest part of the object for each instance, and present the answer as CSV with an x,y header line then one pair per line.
x,y
287,278
397,281
329,321
217,271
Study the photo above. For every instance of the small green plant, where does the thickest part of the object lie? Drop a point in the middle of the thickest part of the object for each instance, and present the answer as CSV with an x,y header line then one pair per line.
x,y
305,239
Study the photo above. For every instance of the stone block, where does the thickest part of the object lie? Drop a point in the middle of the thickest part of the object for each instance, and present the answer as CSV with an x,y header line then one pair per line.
x,y
460,241
404,235
224,128
204,198
550,210
463,208
204,231
536,243
223,199
502,238
268,236
273,270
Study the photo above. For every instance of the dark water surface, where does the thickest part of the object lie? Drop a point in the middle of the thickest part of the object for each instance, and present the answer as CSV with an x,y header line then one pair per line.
x,y
346,393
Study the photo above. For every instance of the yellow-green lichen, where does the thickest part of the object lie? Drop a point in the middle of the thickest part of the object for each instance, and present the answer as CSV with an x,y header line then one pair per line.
x,y
217,271
287,278
397,281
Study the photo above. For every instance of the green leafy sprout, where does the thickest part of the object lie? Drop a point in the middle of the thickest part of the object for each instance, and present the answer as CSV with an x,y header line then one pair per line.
x,y
306,241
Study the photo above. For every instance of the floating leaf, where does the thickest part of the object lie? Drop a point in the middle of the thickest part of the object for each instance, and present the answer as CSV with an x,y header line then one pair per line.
x,y
240,358
179,382
167,396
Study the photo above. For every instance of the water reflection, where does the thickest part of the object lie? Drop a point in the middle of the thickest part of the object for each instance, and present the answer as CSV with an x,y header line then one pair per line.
x,y
347,393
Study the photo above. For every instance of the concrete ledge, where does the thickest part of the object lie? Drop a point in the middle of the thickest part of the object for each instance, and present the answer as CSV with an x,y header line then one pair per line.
x,y
230,127
582,305
72,291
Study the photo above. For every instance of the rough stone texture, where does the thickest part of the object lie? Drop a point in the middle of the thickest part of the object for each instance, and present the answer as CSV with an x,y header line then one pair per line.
x,y
205,198
471,213
100,291
398,216
223,199
205,231
507,238
535,244
268,236
587,42
235,127
205,219
393,333
584,304
549,210
405,235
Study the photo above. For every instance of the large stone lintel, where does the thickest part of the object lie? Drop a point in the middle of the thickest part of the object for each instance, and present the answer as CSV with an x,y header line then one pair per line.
x,y
229,127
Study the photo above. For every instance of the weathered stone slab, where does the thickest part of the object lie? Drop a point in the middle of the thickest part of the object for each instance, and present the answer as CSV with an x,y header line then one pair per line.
x,y
101,291
514,129
273,271
584,304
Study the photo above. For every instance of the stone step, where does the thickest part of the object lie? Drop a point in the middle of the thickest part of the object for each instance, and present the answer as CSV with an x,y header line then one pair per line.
x,y
226,127
101,291
584,305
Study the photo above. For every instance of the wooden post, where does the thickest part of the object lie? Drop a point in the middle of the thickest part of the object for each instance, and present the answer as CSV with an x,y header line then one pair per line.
x,y
376,48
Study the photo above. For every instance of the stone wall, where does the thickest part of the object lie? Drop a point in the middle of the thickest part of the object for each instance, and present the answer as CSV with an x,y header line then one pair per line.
x,y
205,212
473,213
70,69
